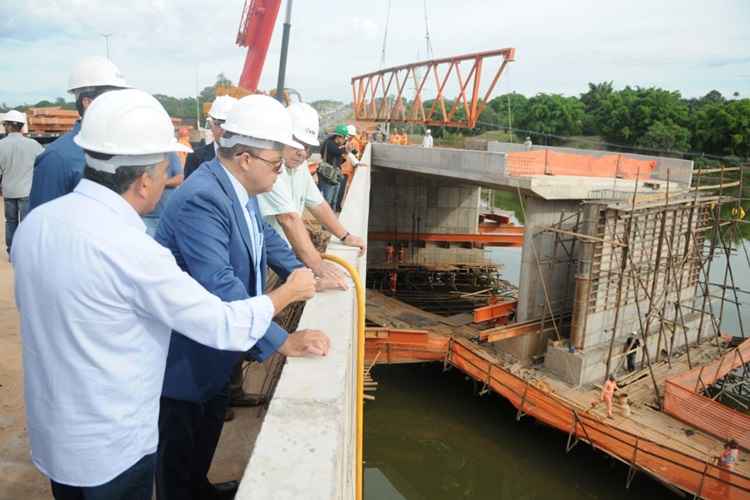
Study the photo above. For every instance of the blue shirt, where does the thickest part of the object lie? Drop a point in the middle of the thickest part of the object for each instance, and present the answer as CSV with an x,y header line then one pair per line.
x,y
174,168
57,170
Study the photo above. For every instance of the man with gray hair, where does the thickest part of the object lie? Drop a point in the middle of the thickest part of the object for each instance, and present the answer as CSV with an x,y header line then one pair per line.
x,y
17,155
98,299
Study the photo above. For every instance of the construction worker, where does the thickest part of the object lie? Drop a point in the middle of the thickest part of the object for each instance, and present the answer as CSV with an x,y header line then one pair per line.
x,y
216,116
59,168
404,138
527,143
349,163
395,137
295,190
427,139
98,299
213,227
183,137
608,391
17,155
631,345
730,455
332,152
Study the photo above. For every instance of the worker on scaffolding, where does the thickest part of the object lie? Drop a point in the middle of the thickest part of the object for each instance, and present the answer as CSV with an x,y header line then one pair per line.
x,y
631,349
98,299
59,168
17,155
216,116
608,391
213,227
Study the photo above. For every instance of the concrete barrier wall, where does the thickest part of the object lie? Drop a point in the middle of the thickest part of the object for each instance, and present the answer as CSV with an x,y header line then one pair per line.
x,y
680,171
306,448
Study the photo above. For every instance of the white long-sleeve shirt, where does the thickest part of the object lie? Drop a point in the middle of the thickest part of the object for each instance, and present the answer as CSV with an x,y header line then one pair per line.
x,y
98,298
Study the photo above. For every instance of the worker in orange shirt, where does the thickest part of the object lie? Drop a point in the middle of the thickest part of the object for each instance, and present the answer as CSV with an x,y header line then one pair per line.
x,y
608,391
404,138
183,137
395,137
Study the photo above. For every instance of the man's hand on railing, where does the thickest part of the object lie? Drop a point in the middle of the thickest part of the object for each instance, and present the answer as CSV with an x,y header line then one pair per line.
x,y
306,344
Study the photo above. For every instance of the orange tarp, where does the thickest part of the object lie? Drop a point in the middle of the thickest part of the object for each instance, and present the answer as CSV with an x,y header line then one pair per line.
x,y
548,162
684,399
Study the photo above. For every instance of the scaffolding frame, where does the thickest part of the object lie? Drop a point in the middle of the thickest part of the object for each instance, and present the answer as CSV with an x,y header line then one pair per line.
x,y
651,253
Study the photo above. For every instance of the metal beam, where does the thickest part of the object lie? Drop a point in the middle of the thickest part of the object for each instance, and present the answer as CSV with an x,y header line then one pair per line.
x,y
374,101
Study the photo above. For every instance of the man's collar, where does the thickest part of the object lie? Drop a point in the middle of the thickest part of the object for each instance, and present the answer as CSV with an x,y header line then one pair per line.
x,y
111,200
239,189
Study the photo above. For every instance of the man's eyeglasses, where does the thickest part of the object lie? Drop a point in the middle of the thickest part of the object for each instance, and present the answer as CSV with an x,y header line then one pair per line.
x,y
275,165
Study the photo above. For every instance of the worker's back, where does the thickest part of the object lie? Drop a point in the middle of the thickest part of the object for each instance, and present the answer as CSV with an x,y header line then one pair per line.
x,y
17,155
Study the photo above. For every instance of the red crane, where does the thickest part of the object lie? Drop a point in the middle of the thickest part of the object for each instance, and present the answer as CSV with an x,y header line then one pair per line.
x,y
255,31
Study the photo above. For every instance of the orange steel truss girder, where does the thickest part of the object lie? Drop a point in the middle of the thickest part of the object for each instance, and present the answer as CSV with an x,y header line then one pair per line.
x,y
506,237
494,311
374,101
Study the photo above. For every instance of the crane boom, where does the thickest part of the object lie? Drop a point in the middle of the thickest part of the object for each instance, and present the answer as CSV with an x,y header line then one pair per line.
x,y
255,31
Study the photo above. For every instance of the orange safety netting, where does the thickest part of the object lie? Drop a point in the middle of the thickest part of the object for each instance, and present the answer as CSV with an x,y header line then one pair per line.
x,y
701,477
549,162
684,399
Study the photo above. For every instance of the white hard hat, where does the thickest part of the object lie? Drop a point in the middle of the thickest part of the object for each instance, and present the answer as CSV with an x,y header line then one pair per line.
x,y
221,106
259,117
305,123
96,71
429,131
352,129
129,124
15,116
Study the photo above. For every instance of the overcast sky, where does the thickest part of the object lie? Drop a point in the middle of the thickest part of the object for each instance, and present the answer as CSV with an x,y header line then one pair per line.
x,y
692,46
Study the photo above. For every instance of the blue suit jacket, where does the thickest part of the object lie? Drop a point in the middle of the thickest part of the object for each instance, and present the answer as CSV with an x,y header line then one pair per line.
x,y
204,226
57,169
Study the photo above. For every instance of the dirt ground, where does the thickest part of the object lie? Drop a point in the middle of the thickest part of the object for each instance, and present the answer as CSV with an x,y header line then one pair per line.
x,y
19,479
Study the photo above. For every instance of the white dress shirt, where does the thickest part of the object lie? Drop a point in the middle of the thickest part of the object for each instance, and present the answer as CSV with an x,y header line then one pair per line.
x,y
98,298
293,191
256,235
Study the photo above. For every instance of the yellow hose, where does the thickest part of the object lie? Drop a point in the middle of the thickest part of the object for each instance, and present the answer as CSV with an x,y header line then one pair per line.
x,y
360,291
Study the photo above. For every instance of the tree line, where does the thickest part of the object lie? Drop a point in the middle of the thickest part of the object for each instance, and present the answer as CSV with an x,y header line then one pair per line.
x,y
631,118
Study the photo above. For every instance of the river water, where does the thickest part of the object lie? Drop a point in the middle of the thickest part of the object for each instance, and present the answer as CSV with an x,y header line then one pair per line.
x,y
427,436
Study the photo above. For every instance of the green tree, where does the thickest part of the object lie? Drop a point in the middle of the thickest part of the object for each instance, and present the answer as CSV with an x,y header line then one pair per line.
x,y
594,101
627,115
553,114
665,136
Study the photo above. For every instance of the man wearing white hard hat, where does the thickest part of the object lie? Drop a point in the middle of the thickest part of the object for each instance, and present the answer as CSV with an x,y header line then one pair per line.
x,y
213,227
98,299
60,167
427,140
216,117
17,155
296,190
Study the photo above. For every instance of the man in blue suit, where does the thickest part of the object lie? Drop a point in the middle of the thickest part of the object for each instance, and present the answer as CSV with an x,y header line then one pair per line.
x,y
214,228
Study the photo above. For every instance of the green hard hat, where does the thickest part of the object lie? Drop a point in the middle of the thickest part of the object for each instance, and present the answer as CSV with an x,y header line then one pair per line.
x,y
342,130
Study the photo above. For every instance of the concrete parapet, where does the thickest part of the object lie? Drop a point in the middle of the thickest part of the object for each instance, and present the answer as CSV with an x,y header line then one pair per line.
x,y
306,447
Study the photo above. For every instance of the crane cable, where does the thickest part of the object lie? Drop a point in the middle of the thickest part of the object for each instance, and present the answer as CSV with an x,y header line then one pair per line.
x,y
385,35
